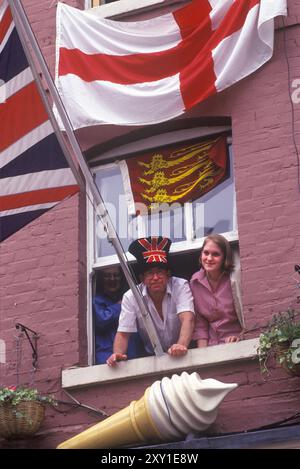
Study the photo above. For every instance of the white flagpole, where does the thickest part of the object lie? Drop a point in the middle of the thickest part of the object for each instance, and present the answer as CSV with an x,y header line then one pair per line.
x,y
24,30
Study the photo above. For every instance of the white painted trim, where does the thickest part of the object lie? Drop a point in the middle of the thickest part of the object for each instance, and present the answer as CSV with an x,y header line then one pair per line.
x,y
2,351
90,260
124,6
141,223
177,247
150,366
188,222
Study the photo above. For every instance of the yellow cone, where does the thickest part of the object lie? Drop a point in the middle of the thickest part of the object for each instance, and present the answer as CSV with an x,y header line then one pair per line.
x,y
129,426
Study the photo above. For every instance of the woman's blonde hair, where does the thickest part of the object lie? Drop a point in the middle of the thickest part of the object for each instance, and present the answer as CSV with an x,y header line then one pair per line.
x,y
224,245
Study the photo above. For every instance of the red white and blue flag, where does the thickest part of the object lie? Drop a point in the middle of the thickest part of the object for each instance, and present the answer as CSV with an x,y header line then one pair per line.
x,y
154,251
145,72
34,174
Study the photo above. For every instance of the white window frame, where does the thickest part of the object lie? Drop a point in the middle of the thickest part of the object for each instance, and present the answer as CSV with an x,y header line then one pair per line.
x,y
190,243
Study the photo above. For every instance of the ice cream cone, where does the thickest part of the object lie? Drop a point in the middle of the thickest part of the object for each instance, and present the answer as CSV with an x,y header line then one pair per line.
x,y
131,425
169,409
183,404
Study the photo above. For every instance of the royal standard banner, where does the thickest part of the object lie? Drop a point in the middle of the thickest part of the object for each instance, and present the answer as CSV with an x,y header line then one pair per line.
x,y
172,174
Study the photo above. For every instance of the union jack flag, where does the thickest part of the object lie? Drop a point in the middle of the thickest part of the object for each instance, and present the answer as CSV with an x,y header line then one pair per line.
x,y
34,173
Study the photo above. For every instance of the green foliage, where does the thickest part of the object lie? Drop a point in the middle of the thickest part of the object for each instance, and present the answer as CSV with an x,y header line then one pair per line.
x,y
277,340
14,395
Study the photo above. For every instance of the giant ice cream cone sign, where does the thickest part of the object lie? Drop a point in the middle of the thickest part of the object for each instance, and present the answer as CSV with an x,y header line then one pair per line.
x,y
169,410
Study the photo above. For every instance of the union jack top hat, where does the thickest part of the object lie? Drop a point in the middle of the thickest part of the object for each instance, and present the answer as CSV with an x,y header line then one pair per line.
x,y
151,252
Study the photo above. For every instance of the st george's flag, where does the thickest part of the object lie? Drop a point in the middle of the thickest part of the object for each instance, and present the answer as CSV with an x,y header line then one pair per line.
x,y
34,173
145,72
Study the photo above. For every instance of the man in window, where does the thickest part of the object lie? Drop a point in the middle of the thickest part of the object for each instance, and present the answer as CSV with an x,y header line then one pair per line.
x,y
168,298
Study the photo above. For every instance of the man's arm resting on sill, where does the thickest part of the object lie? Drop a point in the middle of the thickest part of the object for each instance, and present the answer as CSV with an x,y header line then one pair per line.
x,y
187,326
201,343
120,348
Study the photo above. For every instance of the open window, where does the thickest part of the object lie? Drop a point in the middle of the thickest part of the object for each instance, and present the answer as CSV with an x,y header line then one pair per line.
x,y
184,223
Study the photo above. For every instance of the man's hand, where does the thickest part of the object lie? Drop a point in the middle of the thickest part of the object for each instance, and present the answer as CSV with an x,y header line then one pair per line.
x,y
116,357
177,350
120,344
232,338
187,326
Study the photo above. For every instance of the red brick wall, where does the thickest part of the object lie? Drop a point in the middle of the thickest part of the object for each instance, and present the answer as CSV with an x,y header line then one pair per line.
x,y
42,19
43,277
41,287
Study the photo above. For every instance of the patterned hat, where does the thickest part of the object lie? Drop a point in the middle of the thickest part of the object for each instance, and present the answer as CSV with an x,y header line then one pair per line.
x,y
151,252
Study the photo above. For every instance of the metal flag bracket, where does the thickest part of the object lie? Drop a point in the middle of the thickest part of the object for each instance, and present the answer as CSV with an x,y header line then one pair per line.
x,y
32,341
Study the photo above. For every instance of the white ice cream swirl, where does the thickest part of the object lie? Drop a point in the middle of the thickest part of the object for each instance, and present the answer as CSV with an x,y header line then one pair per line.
x,y
184,404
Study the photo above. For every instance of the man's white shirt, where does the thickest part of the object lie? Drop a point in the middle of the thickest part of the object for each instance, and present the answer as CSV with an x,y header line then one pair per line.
x,y
178,299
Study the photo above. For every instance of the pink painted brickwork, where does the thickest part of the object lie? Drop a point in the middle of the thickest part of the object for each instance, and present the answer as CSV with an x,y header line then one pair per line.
x,y
41,287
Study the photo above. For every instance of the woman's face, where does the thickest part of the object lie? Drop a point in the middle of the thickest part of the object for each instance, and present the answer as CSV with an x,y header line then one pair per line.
x,y
111,280
212,257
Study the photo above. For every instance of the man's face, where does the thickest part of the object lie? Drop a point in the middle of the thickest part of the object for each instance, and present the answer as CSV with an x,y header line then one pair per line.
x,y
156,280
111,280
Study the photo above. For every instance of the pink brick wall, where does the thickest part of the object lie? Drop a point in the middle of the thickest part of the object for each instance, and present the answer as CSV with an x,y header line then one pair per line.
x,y
42,19
42,287
43,277
267,183
43,271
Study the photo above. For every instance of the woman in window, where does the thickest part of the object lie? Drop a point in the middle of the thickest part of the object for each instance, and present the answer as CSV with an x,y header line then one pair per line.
x,y
107,308
216,292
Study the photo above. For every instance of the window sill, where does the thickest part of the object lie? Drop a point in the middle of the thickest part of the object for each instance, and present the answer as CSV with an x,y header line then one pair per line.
x,y
144,367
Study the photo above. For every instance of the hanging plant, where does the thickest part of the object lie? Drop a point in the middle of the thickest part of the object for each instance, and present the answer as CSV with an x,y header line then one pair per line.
x,y
281,340
22,411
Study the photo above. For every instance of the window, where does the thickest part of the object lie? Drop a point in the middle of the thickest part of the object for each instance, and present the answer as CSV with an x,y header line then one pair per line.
x,y
186,225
